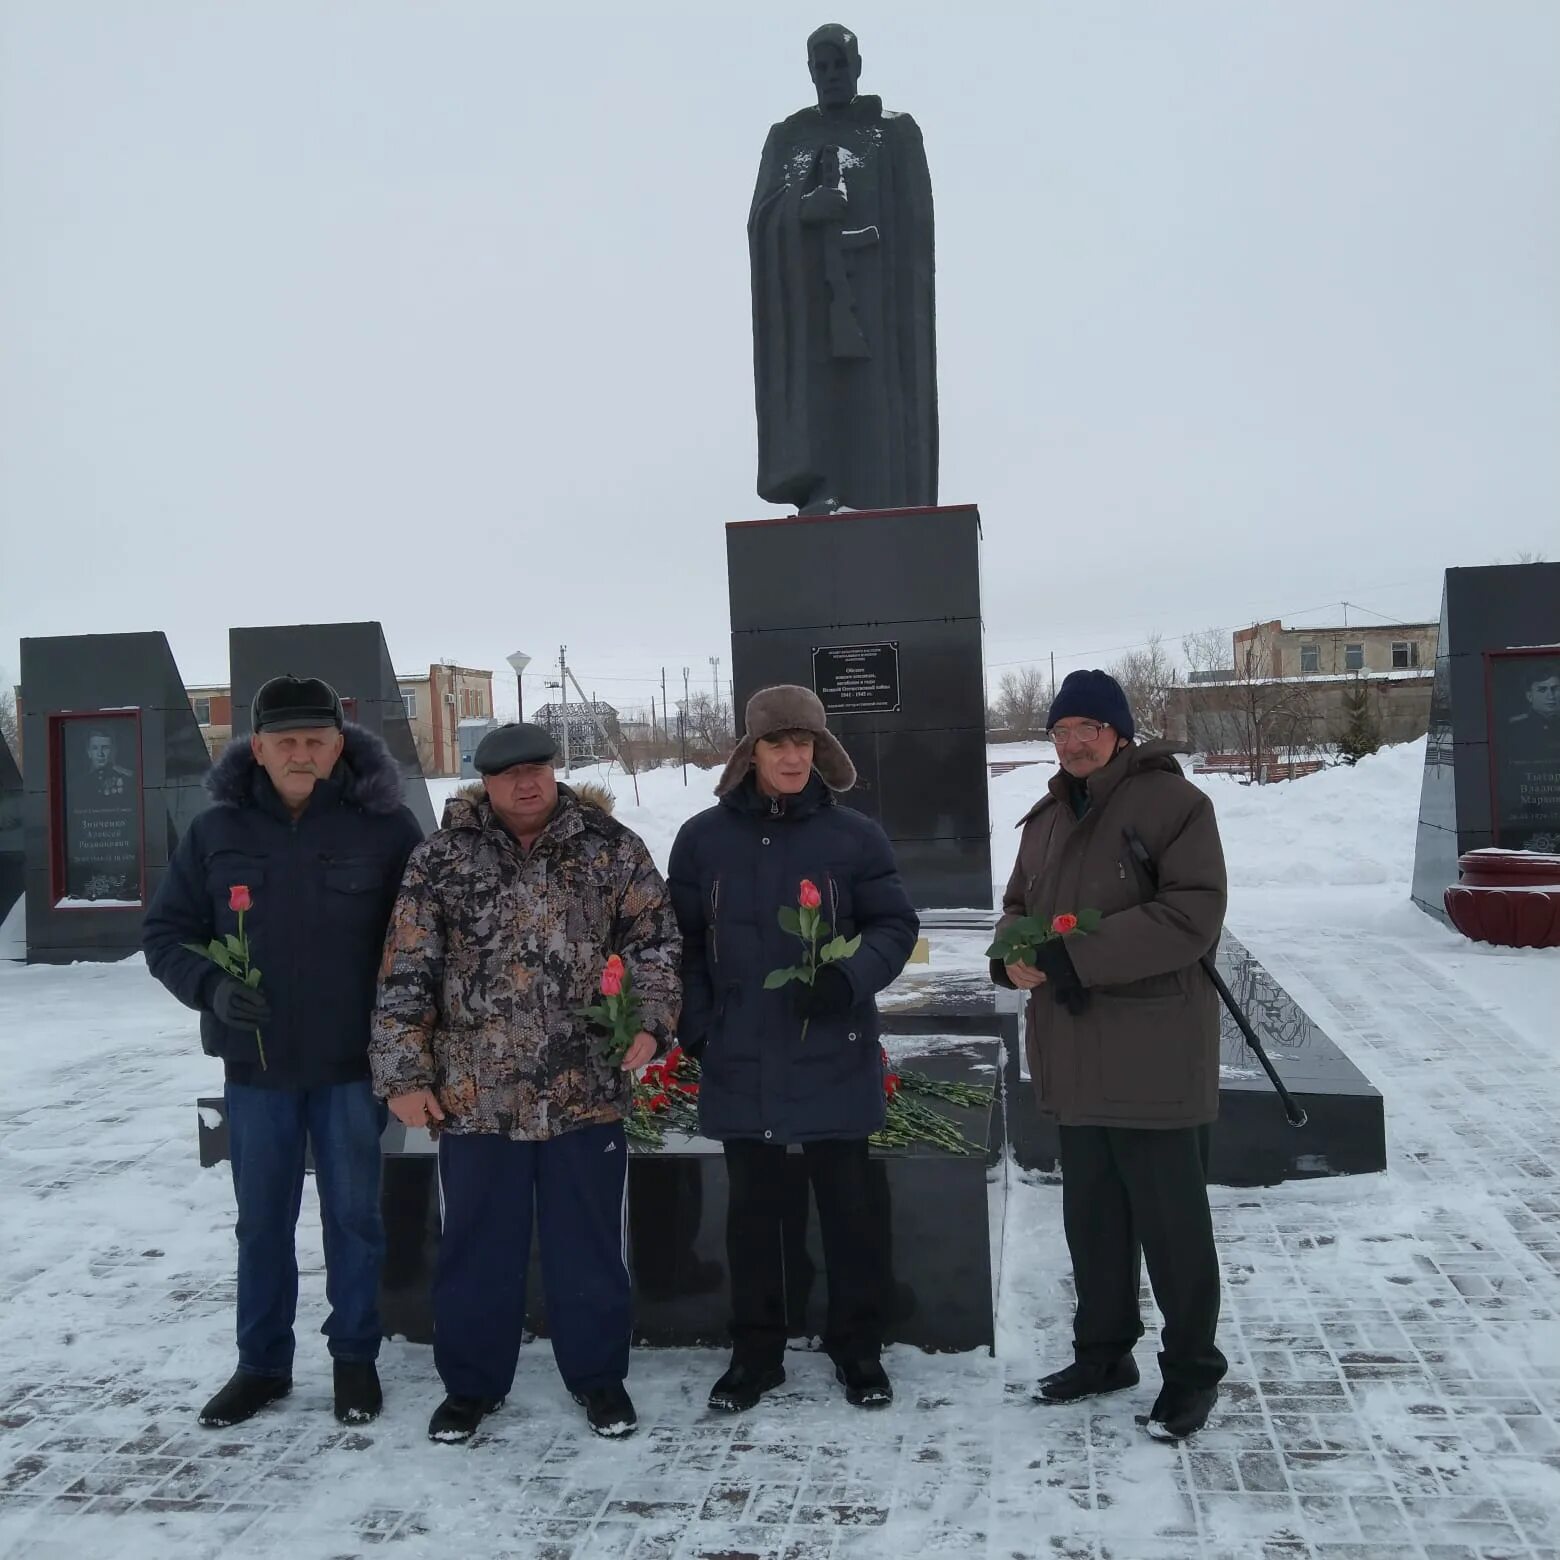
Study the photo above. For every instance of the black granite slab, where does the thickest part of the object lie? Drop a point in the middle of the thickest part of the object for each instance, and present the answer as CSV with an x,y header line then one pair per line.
x,y
1486,614
898,591
943,1216
1253,1144
354,659
13,856
116,771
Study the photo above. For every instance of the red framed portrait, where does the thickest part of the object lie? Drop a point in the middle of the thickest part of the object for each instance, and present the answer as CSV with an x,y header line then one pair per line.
x,y
97,833
1522,712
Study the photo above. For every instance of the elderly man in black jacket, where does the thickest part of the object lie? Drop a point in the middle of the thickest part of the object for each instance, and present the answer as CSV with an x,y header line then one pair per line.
x,y
766,1082
308,838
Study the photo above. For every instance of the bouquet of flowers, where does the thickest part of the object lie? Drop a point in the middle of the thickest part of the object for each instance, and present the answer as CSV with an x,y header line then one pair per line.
x,y
819,947
231,954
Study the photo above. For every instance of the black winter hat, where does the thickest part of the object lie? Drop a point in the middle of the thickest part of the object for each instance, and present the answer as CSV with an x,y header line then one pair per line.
x,y
291,703
517,743
1093,695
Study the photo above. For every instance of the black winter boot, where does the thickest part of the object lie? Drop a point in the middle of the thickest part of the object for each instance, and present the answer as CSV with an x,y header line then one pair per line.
x,y
1085,1379
1180,1411
456,1418
359,1397
866,1383
609,1410
242,1398
743,1385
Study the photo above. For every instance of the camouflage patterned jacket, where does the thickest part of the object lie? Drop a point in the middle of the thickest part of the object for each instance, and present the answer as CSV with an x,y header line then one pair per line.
x,y
492,951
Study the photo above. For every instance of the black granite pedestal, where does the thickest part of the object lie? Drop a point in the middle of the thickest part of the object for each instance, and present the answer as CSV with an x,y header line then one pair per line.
x,y
354,659
943,1213
1253,1143
116,769
878,612
13,874
1492,760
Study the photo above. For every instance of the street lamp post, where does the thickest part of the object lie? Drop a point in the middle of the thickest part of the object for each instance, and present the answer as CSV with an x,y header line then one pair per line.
x,y
519,661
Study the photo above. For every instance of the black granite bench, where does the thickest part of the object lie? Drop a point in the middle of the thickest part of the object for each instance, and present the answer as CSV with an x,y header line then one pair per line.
x,y
1253,1143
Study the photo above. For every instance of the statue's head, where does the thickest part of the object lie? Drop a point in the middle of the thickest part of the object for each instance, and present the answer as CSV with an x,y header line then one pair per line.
x,y
834,63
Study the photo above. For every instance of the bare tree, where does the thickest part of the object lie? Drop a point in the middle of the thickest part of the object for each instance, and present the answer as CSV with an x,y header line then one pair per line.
x,y
1207,653
710,731
1247,711
1147,677
1023,698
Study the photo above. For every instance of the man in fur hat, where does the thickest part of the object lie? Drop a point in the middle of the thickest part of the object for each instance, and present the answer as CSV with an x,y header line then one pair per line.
x,y
766,1083
308,839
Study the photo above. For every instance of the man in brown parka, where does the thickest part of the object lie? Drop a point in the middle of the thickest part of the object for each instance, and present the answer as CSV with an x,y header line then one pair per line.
x,y
1123,1042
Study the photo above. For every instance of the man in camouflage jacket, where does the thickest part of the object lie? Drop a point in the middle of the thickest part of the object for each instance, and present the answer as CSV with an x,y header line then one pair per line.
x,y
505,920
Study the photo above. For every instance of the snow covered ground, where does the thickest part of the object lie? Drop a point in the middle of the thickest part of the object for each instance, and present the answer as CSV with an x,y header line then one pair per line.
x,y
1395,1340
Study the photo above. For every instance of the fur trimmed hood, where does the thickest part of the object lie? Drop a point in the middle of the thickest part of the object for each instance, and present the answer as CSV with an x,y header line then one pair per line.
x,y
369,776
787,707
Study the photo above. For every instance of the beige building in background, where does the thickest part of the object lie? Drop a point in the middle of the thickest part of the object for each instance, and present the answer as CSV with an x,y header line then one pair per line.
x,y
1333,652
436,704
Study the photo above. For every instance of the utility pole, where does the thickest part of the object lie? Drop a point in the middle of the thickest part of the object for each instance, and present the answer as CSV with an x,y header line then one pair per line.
x,y
682,726
715,680
1053,675
666,709
563,693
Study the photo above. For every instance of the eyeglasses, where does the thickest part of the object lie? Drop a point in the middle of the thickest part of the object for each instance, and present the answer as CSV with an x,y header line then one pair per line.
x,y
1084,731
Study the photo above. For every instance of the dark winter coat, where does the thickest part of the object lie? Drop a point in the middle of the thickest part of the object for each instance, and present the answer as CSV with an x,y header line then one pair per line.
x,y
322,887
732,868
492,952
1144,1052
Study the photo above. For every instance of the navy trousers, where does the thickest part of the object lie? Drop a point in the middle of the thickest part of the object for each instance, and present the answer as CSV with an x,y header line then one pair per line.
x,y
268,1130
577,1185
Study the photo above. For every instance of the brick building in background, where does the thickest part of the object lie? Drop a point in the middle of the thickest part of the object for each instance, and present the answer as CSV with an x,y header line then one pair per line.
x,y
436,703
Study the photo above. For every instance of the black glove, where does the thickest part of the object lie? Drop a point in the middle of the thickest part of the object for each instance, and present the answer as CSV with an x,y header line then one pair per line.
x,y
239,1005
831,993
1054,961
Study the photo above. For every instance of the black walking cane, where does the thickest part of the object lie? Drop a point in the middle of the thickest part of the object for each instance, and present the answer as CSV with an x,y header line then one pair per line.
x,y
1292,1109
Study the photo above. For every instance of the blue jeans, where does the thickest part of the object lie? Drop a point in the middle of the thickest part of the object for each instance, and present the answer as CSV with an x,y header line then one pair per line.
x,y
267,1132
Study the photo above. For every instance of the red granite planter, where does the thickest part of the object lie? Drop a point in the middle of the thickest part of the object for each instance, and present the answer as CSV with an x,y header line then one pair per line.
x,y
1508,897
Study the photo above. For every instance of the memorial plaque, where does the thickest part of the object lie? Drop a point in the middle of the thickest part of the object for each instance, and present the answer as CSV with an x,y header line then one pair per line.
x,y
857,679
1524,733
99,849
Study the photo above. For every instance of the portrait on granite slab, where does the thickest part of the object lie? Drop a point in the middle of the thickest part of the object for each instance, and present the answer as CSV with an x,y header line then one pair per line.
x,y
1524,691
100,809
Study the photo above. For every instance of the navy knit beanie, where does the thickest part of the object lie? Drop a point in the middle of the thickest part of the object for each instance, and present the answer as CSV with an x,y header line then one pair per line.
x,y
1093,695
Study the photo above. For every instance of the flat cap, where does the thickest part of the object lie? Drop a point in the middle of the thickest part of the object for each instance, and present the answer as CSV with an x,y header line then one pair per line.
x,y
292,703
514,744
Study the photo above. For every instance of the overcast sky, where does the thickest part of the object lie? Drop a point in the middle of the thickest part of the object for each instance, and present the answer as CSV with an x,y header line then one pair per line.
x,y
438,313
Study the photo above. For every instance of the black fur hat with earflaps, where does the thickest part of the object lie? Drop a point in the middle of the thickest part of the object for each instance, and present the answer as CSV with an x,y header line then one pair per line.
x,y
786,707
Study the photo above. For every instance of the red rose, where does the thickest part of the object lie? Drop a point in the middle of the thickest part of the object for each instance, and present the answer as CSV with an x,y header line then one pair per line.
x,y
615,962
612,980
238,898
1063,924
809,898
